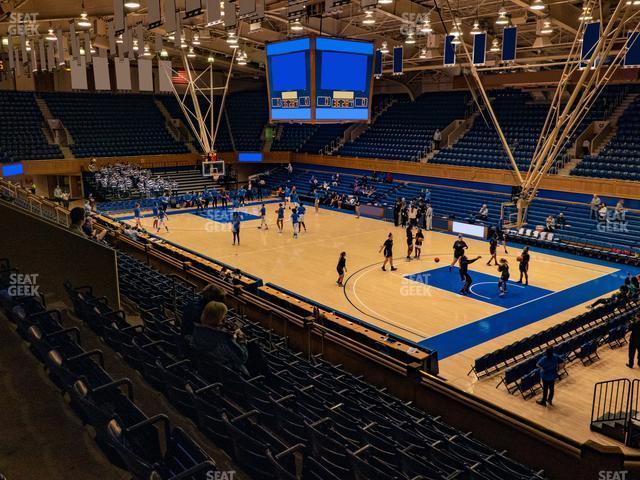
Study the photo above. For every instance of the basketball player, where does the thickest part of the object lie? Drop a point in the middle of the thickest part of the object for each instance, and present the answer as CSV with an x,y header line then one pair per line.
x,y
294,197
280,220
162,220
464,273
235,228
155,211
459,246
387,246
294,221
523,259
301,210
502,238
263,217
429,217
316,200
409,241
503,268
493,245
287,196
136,215
341,268
418,244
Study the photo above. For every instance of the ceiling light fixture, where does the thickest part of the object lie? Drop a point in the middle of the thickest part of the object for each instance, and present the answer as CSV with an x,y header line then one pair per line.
x,y
196,39
131,5
495,46
425,27
135,44
27,45
119,39
231,39
211,59
368,18
537,6
191,53
502,17
164,53
586,14
423,53
546,29
296,26
84,22
410,39
147,51
476,28
385,2
51,36
384,48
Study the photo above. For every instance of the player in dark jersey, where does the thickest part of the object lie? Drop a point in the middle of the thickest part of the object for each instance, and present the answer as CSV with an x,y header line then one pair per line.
x,y
503,268
280,220
409,241
464,273
387,246
524,265
341,268
156,214
418,244
493,246
263,217
301,211
459,246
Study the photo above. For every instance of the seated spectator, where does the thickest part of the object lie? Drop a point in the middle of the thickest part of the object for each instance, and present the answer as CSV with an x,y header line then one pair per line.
x,y
603,213
551,223
215,340
77,216
483,214
620,214
585,148
192,312
561,221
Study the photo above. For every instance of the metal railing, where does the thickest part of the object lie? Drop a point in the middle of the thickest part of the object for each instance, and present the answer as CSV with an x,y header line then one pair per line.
x,y
617,401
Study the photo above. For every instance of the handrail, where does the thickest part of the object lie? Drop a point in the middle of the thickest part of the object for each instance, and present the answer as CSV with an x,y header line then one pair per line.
x,y
610,403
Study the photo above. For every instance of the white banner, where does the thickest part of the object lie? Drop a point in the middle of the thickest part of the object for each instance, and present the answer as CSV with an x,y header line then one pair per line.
x,y
164,72
118,16
123,73
51,58
79,74
101,73
170,15
145,75
43,57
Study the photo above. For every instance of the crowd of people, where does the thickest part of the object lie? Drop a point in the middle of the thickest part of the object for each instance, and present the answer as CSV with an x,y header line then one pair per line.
x,y
122,180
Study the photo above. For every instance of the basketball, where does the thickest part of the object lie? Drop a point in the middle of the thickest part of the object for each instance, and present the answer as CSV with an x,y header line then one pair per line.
x,y
436,259
519,259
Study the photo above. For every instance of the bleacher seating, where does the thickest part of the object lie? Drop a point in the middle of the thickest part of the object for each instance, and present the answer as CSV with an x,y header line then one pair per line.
x,y
405,130
127,436
248,114
620,158
340,424
108,125
21,124
463,203
306,138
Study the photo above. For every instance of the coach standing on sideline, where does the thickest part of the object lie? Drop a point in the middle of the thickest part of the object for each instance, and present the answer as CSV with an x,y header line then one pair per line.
x,y
634,343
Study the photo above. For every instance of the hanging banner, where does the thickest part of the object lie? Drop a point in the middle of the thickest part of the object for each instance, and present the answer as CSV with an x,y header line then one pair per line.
x,y
378,67
51,60
170,15
213,16
590,41
230,18
43,57
397,61
479,49
118,16
449,51
164,76
154,18
145,75
123,73
101,72
79,74
632,55
193,8
509,43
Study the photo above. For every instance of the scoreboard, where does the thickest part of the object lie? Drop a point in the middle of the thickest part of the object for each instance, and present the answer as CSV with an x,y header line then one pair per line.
x,y
288,67
314,80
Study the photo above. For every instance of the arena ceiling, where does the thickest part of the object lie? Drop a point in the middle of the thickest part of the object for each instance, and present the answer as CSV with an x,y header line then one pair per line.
x,y
538,48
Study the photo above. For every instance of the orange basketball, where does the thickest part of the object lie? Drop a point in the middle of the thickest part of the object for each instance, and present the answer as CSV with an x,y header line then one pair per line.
x,y
436,259
519,259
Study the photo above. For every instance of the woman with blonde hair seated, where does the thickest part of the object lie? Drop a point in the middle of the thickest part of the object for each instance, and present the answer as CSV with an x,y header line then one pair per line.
x,y
214,340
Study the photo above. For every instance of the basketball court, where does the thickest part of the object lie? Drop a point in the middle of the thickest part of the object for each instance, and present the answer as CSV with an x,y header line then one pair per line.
x,y
420,301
